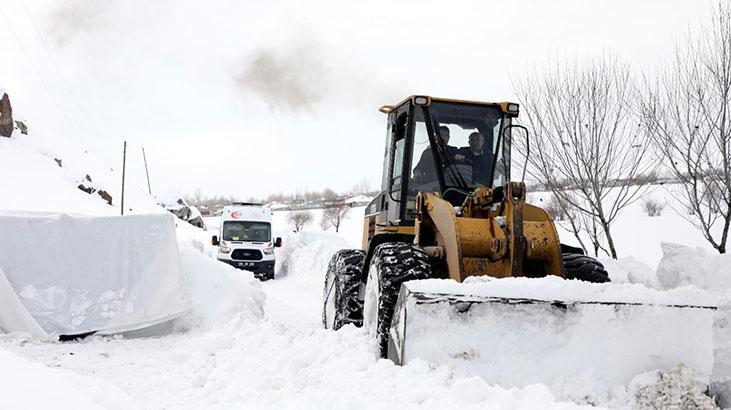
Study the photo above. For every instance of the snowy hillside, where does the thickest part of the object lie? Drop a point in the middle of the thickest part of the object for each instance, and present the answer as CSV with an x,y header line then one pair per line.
x,y
42,171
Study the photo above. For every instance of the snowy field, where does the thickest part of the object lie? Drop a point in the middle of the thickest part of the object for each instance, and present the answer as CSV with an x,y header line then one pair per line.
x,y
251,344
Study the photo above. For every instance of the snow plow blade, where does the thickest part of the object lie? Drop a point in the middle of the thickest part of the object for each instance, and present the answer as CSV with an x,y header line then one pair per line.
x,y
520,331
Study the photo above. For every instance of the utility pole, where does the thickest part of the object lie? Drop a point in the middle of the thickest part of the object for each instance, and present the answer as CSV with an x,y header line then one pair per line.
x,y
124,169
149,190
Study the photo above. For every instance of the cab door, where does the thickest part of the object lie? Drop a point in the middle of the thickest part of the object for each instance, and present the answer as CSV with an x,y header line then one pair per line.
x,y
398,157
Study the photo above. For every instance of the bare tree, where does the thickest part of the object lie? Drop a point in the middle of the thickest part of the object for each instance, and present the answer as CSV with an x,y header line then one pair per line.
x,y
578,223
361,187
687,112
563,214
584,139
298,219
333,215
328,195
653,207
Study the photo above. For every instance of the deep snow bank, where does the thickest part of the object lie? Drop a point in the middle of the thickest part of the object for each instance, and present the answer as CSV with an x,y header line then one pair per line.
x,y
630,270
304,256
221,294
683,265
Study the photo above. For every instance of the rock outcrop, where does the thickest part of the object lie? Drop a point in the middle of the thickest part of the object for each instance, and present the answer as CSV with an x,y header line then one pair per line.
x,y
6,116
87,186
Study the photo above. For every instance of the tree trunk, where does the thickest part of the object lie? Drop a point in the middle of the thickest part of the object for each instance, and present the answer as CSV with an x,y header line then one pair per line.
x,y
610,240
724,236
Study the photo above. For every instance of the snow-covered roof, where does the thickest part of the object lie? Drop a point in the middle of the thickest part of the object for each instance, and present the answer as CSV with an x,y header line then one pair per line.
x,y
194,213
277,205
171,200
358,199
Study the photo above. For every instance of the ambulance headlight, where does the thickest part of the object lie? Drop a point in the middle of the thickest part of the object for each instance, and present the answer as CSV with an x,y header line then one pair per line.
x,y
268,251
224,248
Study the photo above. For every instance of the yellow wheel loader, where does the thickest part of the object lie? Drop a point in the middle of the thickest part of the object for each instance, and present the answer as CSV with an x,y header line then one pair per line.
x,y
451,238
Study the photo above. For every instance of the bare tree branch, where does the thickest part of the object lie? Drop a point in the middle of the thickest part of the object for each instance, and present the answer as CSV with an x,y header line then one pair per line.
x,y
686,113
587,146
298,219
333,215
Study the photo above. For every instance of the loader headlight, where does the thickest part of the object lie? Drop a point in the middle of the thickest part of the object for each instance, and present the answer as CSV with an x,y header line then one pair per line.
x,y
513,107
268,251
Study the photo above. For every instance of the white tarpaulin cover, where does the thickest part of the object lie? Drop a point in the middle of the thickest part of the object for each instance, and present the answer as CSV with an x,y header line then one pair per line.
x,y
13,315
78,274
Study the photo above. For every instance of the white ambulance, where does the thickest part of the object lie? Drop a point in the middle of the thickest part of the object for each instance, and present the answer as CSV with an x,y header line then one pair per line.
x,y
245,239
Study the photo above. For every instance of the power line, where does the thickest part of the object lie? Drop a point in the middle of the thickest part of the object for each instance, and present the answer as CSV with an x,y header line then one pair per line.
x,y
40,78
58,69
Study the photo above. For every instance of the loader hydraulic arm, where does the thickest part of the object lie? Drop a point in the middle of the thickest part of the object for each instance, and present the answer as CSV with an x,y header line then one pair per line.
x,y
480,238
514,200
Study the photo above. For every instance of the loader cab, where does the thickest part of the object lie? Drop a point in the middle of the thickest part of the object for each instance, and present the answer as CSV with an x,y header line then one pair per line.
x,y
419,157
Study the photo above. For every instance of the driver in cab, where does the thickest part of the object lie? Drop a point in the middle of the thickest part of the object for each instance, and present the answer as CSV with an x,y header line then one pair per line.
x,y
425,169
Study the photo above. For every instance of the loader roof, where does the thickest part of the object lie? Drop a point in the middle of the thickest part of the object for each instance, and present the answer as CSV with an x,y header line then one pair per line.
x,y
509,108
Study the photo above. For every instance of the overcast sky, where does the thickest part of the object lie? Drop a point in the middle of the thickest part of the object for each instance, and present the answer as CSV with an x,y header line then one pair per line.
x,y
249,98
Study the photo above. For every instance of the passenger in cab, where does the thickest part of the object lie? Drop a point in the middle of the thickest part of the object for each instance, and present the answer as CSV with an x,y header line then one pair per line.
x,y
479,157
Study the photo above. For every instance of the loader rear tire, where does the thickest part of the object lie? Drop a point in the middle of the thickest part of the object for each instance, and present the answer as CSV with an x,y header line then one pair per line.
x,y
582,267
392,264
341,302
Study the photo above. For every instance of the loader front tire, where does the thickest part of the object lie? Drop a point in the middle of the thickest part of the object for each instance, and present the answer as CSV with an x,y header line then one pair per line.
x,y
341,302
583,267
392,264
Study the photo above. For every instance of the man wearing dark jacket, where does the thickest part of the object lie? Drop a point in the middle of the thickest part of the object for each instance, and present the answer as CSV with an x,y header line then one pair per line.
x,y
425,169
480,158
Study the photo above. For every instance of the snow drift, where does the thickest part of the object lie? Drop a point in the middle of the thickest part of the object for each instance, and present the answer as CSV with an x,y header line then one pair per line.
x,y
221,294
77,274
684,265
26,385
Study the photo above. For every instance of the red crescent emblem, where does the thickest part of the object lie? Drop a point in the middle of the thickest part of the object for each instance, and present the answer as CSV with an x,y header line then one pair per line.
x,y
235,214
